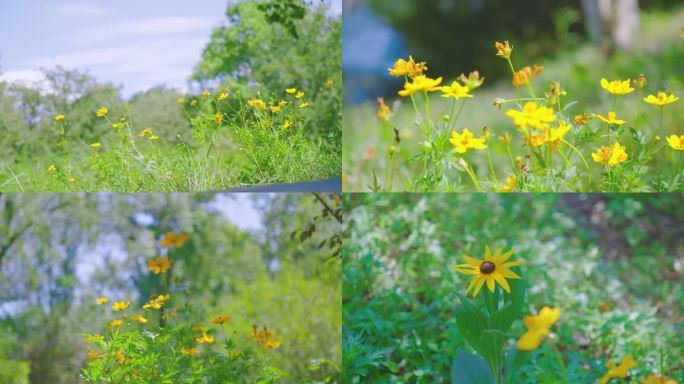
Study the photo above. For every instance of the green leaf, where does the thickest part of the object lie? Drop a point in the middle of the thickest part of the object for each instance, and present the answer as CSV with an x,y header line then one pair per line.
x,y
471,322
515,360
512,310
469,368
492,341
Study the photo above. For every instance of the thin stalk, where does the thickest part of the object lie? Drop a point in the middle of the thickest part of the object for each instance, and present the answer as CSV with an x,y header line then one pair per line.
x,y
451,115
388,173
636,121
429,118
559,358
491,167
510,157
458,114
473,178
660,123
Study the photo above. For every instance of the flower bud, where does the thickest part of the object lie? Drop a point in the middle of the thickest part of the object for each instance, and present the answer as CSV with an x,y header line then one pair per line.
x,y
427,146
498,102
391,150
641,81
506,138
461,164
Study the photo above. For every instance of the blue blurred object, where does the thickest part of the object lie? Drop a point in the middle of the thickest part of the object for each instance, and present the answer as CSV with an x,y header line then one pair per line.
x,y
369,47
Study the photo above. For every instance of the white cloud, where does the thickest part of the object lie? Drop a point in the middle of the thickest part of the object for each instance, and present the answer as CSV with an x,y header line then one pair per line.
x,y
30,78
156,26
80,9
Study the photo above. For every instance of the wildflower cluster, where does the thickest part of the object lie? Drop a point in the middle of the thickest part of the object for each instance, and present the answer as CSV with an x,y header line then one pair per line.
x,y
165,343
554,143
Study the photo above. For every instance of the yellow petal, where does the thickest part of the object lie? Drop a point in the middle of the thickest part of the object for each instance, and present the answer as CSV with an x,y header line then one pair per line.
x,y
508,274
504,257
502,281
472,283
488,254
466,271
490,283
472,261
479,285
510,264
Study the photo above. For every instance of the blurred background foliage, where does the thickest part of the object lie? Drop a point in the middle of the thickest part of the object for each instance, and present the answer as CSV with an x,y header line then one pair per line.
x,y
58,253
612,263
251,53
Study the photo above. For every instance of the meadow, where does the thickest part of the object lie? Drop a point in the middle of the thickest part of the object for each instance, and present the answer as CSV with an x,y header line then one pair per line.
x,y
509,288
576,120
160,288
252,118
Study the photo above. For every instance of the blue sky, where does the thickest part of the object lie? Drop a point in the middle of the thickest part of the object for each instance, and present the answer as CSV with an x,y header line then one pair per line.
x,y
134,43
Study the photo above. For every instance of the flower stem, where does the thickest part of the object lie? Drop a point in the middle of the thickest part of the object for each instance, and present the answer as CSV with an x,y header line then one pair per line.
x,y
429,118
660,124
491,167
473,178
559,358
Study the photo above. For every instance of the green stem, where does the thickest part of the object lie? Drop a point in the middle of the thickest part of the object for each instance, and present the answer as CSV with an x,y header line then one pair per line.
x,y
559,358
458,114
510,156
388,174
470,173
491,167
429,118
451,115
660,124
636,122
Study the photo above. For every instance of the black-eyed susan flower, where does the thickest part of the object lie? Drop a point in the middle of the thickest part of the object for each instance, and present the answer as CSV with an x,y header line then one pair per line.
x,y
472,81
139,319
611,119
617,87
102,112
532,115
676,142
462,142
421,84
619,371
503,50
102,301
96,145
159,265
190,351
661,100
115,324
384,110
511,183
59,117
457,91
492,270
537,327
205,339
121,305
220,319
171,239
611,156
408,68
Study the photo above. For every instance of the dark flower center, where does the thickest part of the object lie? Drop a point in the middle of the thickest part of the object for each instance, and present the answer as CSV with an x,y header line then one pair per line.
x,y
487,267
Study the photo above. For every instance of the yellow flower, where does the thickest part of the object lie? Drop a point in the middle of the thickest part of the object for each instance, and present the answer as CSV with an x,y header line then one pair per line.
x,y
93,339
71,179
157,302
291,91
59,117
139,319
611,119
526,75
181,101
171,239
52,169
618,372
121,305
493,269
504,50
582,119
220,319
662,99
257,103
299,95
159,265
457,91
407,68
282,103
117,125
617,87
102,112
190,351
96,145
199,327
676,142
122,120
421,84
611,155
329,83
303,105
206,94
274,108
511,183
115,324
265,337
536,140
119,355
145,132
653,379
532,115
537,328
102,301
193,102
154,137
218,118
287,124
222,96
462,142
93,355
205,339
383,109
